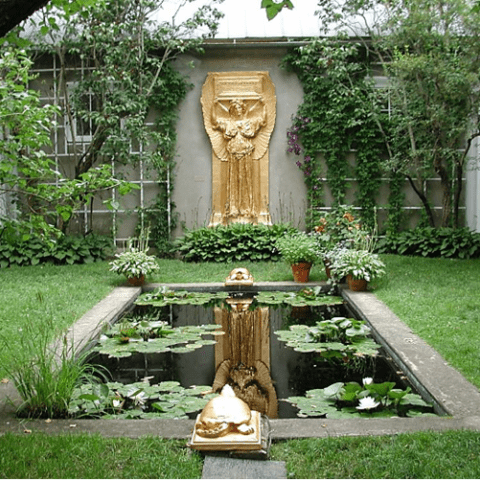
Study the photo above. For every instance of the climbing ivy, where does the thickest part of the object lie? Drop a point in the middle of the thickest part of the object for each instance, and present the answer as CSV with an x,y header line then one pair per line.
x,y
339,115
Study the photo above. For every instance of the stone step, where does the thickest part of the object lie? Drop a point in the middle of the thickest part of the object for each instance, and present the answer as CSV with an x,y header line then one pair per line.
x,y
223,467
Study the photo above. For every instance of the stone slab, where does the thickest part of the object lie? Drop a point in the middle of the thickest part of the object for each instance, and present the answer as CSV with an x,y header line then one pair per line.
x,y
85,331
224,467
220,287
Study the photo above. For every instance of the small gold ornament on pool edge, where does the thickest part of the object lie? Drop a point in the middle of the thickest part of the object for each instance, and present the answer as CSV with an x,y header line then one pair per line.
x,y
239,276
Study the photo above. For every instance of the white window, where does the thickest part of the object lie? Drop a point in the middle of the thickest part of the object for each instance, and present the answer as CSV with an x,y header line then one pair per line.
x,y
82,129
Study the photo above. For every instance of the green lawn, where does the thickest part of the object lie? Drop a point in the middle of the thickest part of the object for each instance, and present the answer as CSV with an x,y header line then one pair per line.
x,y
437,298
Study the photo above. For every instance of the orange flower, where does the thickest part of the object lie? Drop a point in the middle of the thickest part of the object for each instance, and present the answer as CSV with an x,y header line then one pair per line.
x,y
349,217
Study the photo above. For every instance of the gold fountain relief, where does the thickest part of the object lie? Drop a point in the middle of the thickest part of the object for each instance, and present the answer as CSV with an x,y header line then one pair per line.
x,y
239,110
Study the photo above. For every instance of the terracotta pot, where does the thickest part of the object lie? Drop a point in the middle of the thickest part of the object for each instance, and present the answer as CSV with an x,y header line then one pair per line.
x,y
301,271
328,270
136,281
356,284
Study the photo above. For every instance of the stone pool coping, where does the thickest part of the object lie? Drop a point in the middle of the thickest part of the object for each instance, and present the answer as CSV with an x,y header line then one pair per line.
x,y
452,392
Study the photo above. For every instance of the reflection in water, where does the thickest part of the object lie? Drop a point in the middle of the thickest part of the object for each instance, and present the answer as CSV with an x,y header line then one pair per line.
x,y
260,368
242,355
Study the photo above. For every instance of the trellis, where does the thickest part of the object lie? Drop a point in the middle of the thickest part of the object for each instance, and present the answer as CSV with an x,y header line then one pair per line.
x,y
96,216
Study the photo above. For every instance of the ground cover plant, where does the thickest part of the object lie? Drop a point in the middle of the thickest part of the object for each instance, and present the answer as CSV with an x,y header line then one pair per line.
x,y
235,242
433,242
22,250
412,289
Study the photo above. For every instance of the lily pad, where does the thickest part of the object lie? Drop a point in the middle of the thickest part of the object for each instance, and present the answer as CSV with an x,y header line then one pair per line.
x,y
164,296
341,400
178,340
139,400
338,336
306,297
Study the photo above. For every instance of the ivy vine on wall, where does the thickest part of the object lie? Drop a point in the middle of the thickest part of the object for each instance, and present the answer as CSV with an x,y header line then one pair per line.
x,y
340,115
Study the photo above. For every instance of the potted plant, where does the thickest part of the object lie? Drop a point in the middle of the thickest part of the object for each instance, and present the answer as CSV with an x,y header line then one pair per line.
x,y
337,229
135,263
300,251
359,266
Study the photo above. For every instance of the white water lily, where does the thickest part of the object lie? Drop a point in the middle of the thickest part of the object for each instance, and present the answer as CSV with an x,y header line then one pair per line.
x,y
367,403
139,398
367,381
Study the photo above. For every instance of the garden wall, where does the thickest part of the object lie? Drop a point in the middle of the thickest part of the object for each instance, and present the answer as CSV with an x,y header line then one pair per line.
x,y
192,193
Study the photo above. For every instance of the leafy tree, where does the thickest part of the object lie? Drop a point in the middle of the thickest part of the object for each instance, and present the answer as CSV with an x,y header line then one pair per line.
x,y
25,170
430,51
116,74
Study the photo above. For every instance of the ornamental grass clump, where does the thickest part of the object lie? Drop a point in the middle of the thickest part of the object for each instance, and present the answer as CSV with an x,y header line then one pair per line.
x,y
298,248
46,373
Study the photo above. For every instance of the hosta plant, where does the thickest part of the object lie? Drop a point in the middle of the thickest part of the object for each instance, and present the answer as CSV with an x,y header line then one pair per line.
x,y
360,264
134,263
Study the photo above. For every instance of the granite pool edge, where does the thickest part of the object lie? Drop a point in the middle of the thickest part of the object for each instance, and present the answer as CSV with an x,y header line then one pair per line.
x,y
463,407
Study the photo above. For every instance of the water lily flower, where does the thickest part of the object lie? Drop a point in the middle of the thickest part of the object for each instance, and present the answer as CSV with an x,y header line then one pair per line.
x,y
367,381
139,398
367,403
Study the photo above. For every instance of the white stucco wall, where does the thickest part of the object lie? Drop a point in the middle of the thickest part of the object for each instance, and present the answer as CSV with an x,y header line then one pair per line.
x,y
472,195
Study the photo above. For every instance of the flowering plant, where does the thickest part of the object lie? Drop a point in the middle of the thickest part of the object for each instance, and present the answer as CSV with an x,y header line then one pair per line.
x,y
297,248
339,225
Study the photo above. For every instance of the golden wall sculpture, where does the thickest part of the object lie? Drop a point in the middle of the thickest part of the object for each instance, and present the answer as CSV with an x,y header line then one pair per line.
x,y
239,111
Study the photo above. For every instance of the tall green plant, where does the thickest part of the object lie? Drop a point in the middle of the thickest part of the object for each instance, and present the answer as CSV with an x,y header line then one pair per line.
x,y
335,119
45,372
26,172
120,59
430,50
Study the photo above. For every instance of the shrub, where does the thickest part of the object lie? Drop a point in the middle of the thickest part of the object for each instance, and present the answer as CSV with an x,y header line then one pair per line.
x,y
432,242
235,242
34,250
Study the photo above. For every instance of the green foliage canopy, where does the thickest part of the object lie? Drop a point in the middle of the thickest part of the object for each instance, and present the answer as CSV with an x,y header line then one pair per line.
x,y
429,50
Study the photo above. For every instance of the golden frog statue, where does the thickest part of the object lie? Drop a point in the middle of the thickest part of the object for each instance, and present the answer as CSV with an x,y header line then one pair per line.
x,y
224,414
